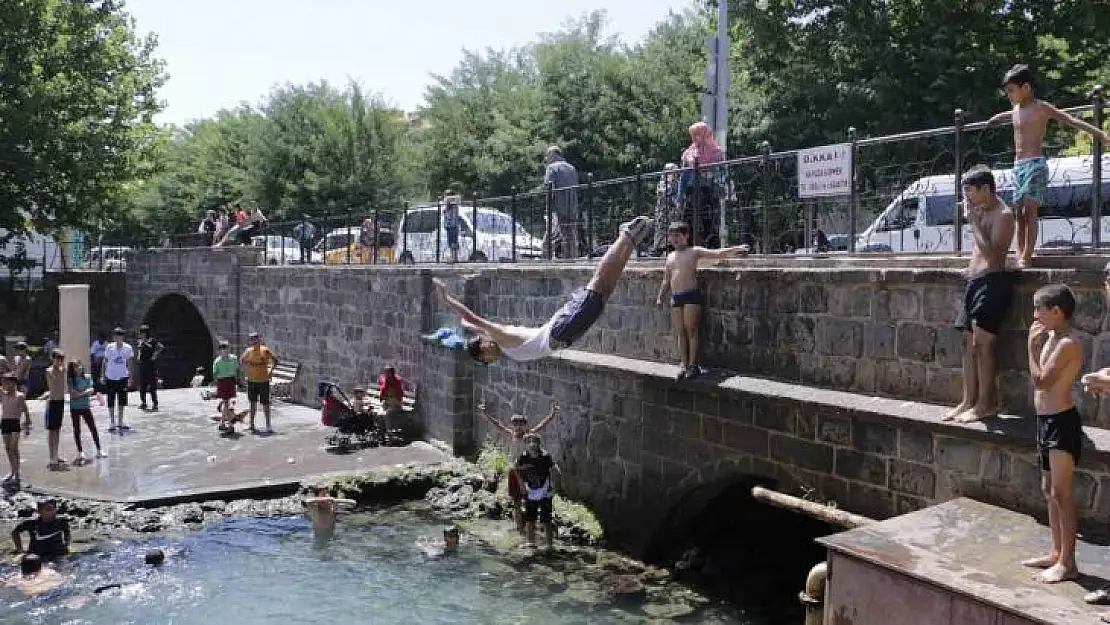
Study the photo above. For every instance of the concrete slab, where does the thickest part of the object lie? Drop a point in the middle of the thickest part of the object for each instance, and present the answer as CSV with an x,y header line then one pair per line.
x,y
973,550
177,455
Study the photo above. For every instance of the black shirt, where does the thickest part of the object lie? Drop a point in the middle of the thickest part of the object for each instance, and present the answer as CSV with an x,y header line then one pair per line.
x,y
536,470
48,538
147,347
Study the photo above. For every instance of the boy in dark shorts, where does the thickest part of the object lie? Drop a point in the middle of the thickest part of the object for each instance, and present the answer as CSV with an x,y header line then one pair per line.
x,y
516,431
49,533
13,404
21,366
1030,117
990,289
1055,363
55,406
451,223
568,324
535,466
680,277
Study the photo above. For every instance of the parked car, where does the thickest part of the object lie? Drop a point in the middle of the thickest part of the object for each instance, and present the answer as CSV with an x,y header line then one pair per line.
x,y
341,246
420,226
282,250
107,258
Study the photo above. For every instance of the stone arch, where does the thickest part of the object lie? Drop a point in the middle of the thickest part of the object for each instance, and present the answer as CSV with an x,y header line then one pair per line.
x,y
176,321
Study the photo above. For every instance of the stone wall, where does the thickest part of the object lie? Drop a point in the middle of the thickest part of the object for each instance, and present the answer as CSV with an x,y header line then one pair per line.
x,y
34,314
885,332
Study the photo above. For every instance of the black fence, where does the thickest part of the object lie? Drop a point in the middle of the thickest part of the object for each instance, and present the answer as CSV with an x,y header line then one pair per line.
x,y
901,194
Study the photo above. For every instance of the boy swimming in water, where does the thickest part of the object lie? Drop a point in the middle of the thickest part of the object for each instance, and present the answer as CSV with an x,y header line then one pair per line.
x,y
680,277
435,548
322,509
516,431
568,324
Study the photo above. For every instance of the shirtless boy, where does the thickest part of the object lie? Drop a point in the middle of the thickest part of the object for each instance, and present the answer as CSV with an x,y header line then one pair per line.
x,y
21,366
1030,117
989,291
33,578
1055,362
322,509
55,406
680,276
516,431
568,324
12,404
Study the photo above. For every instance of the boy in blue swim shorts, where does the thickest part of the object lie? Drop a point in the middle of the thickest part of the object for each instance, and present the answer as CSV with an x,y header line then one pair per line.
x,y
1030,117
680,276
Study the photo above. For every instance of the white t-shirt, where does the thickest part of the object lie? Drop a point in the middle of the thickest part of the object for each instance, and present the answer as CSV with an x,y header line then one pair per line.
x,y
115,360
537,344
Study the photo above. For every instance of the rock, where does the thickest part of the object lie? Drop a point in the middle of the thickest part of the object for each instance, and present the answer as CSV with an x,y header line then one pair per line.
x,y
668,611
190,513
145,521
215,505
623,587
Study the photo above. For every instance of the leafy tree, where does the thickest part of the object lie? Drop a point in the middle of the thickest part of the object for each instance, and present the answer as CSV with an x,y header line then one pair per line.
x,y
77,97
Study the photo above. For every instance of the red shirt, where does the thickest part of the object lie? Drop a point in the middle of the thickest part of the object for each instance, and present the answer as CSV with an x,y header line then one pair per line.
x,y
390,386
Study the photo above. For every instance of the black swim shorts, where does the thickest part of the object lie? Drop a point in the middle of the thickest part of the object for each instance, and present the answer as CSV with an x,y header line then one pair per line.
x,y
258,392
986,301
576,316
1062,431
9,426
538,510
55,410
692,297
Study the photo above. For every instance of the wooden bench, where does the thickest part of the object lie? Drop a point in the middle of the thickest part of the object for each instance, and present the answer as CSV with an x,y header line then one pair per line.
x,y
408,401
281,379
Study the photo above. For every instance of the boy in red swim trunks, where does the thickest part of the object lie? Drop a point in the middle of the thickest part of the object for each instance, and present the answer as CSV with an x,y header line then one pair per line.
x,y
225,370
516,431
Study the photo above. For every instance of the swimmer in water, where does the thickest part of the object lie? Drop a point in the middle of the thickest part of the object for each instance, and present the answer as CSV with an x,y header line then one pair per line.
x,y
153,557
34,578
435,548
323,507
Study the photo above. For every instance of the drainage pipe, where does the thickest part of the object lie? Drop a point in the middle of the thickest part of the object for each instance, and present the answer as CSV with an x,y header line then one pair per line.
x,y
813,597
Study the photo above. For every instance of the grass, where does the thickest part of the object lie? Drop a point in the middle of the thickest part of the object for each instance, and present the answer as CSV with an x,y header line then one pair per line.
x,y
494,458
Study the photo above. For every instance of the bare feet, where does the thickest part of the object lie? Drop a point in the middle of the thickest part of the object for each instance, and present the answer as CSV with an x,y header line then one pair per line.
x,y
955,412
1042,562
1058,573
975,414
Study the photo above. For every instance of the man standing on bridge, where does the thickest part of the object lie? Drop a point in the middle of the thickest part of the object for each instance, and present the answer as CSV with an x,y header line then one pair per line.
x,y
568,324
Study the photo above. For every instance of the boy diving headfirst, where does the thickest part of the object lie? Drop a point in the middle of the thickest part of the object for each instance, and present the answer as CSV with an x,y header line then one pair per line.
x,y
568,324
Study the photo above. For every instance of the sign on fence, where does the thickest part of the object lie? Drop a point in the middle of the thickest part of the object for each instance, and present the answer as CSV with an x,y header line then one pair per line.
x,y
825,171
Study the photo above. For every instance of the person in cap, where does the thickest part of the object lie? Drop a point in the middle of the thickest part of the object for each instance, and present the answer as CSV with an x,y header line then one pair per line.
x,y
149,349
119,362
259,361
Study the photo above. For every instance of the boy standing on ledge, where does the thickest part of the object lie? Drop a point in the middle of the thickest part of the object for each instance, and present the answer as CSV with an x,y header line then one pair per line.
x,y
1030,117
1055,362
989,292
680,277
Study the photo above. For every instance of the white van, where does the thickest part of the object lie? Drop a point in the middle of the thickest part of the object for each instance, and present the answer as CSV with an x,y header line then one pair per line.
x,y
107,258
417,232
920,218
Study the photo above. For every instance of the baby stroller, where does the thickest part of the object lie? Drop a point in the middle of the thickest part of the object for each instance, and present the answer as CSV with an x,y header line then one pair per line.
x,y
352,428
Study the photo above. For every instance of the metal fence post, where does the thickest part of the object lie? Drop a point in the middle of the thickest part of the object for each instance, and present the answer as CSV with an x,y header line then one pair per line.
x,y
638,190
439,230
512,214
590,225
405,231
765,183
958,145
1096,172
350,241
473,222
549,198
853,198
695,215
377,229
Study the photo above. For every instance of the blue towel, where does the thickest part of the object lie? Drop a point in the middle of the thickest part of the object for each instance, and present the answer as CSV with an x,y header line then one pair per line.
x,y
448,337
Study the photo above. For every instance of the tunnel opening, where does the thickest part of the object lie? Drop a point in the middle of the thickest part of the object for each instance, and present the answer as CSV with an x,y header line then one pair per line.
x,y
177,323
754,556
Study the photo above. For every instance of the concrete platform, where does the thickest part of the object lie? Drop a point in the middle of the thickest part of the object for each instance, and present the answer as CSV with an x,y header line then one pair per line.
x,y
957,562
177,455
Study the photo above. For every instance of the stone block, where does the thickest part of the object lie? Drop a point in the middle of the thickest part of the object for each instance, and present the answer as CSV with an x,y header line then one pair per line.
x,y
795,335
879,340
1085,490
870,501
838,337
916,342
777,416
957,454
915,445
896,304
1010,350
861,467
737,410
812,298
944,386
712,430
905,504
746,439
806,425
1090,310
681,399
942,303
913,479
802,454
904,379
834,429
875,438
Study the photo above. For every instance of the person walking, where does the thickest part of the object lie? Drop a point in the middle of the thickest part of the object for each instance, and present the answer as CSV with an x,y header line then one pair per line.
x,y
305,232
149,350
563,178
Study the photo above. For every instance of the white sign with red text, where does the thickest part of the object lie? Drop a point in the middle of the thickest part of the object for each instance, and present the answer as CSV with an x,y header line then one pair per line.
x,y
825,171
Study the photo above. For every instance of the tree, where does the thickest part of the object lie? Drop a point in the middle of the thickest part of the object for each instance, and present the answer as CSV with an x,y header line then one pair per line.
x,y
77,98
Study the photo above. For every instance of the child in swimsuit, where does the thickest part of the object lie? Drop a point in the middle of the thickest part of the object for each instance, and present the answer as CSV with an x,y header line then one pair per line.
x,y
681,279
12,404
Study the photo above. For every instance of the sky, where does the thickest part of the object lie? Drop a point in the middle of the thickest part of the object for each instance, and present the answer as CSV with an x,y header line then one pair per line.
x,y
223,52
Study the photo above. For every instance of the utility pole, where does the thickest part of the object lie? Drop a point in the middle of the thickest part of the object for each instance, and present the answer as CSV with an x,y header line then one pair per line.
x,y
714,104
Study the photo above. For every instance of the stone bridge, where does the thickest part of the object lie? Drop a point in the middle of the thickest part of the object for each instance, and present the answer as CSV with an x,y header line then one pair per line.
x,y
833,377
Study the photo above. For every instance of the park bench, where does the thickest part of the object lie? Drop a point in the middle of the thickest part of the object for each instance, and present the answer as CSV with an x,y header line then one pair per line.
x,y
281,379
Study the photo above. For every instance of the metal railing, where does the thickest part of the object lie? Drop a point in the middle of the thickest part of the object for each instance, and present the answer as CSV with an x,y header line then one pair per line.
x,y
903,196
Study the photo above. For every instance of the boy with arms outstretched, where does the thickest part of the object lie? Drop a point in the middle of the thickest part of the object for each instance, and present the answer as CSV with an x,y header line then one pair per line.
x,y
1030,117
517,430
680,277
990,290
1055,362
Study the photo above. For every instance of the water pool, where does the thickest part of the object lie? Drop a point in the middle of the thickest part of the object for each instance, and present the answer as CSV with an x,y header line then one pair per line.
x,y
246,571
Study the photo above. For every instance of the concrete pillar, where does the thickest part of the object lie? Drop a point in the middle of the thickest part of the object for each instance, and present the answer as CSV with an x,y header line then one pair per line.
x,y
73,322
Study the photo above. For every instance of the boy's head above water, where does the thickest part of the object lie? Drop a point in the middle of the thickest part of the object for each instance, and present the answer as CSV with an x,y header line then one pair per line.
x,y
483,350
154,557
978,185
678,235
1018,83
1053,306
47,508
451,536
30,564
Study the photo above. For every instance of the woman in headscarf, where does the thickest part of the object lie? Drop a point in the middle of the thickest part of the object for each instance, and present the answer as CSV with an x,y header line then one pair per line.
x,y
703,150
666,194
